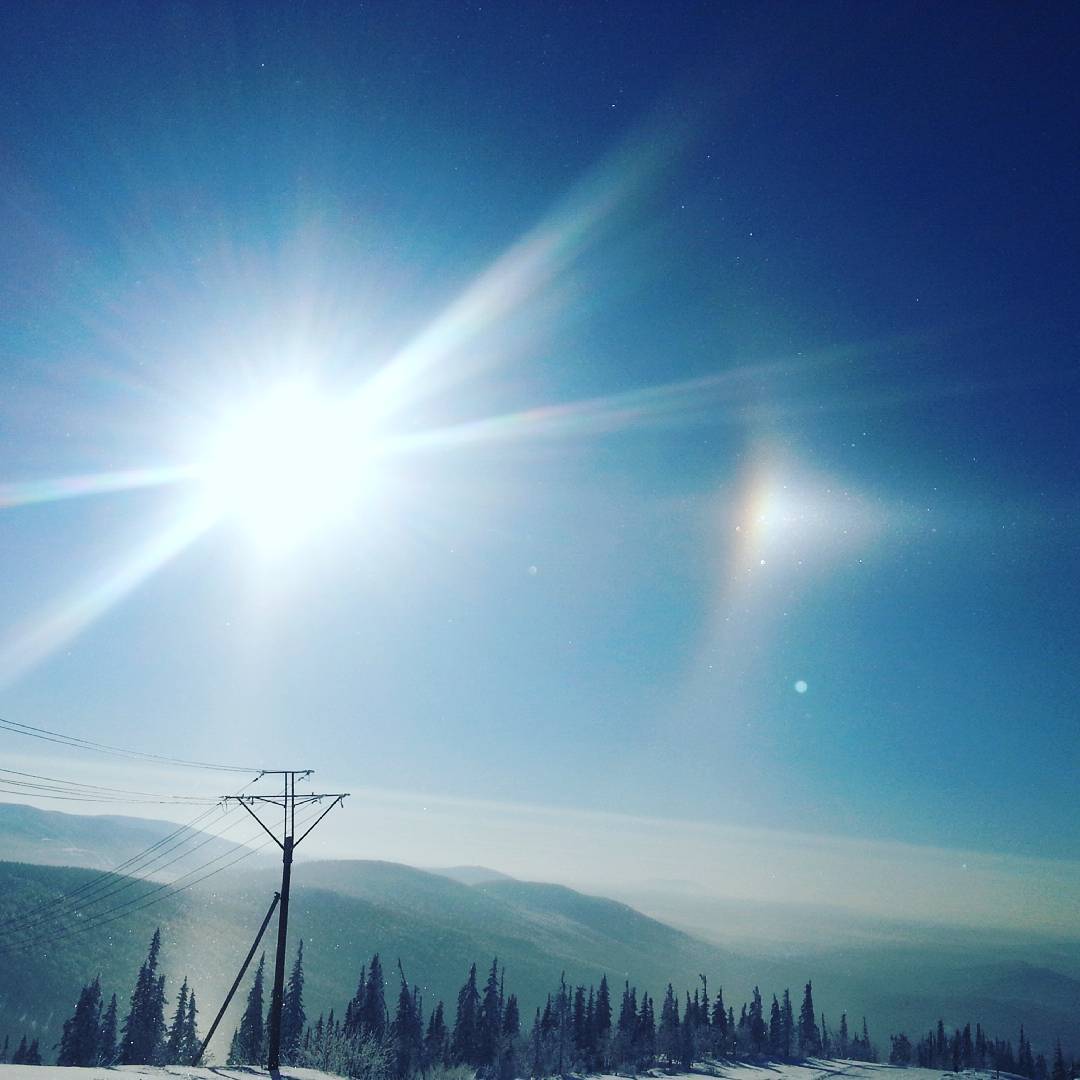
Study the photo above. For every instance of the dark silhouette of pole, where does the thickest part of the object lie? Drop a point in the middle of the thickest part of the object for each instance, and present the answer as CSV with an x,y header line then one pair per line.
x,y
277,995
236,982
288,844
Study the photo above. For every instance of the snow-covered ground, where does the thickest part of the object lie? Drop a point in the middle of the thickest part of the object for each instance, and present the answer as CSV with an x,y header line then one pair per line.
x,y
811,1070
815,1070
151,1072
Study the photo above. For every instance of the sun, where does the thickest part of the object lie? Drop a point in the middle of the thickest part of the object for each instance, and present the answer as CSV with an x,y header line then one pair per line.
x,y
287,466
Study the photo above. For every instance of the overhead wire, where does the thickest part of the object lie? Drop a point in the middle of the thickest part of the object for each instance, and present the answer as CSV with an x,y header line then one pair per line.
x,y
140,862
60,738
120,883
58,783
155,895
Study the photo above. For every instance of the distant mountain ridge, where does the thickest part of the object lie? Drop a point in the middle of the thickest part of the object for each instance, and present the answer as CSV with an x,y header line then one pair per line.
x,y
347,909
470,875
94,841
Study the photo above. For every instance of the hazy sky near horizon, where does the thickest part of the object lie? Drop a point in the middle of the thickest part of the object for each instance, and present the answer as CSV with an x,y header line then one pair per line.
x,y
713,454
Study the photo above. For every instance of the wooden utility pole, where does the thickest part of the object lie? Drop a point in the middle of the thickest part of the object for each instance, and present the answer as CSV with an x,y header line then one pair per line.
x,y
288,843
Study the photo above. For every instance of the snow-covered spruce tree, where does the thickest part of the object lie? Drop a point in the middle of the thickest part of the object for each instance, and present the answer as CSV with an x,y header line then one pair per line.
x,y
407,1033
789,1023
809,1036
143,1037
489,1022
718,1043
249,1038
82,1031
510,1051
667,1036
437,1041
190,1042
900,1053
465,1040
645,1042
174,1043
293,1019
373,1018
354,1009
776,1029
602,1018
688,1033
758,1032
107,1049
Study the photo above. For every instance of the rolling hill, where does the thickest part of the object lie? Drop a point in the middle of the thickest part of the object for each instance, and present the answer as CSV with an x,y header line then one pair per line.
x,y
346,910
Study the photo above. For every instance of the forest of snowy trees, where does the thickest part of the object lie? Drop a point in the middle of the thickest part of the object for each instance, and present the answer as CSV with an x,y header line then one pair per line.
x,y
578,1030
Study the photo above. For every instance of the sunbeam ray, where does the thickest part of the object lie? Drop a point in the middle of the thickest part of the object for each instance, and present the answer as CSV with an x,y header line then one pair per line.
x,y
28,492
28,647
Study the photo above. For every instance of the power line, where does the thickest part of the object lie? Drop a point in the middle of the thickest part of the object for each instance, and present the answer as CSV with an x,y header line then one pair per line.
x,y
118,751
57,783
140,861
121,884
155,896
43,791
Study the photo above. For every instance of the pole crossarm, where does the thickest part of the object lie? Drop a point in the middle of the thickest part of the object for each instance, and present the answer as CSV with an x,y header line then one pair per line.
x,y
338,800
255,816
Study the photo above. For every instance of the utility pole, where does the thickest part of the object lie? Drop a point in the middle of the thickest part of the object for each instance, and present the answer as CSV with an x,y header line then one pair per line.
x,y
288,843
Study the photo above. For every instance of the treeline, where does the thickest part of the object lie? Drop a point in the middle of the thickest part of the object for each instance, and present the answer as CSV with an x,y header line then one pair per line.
x,y
578,1030
964,1049
93,1036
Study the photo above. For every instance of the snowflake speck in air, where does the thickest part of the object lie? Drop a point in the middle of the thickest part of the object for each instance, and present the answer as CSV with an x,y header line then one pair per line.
x,y
801,687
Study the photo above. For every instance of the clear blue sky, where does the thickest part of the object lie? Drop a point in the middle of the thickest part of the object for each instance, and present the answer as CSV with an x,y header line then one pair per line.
x,y
810,268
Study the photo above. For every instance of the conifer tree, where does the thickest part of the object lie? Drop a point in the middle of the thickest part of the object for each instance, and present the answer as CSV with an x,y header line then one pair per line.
x,y
437,1040
293,1019
1059,1071
563,1027
688,1033
900,1054
646,1036
5,1049
189,1042
107,1049
80,1040
354,1009
373,1017
489,1027
667,1036
21,1050
143,1036
758,1031
809,1036
174,1044
466,1037
250,1036
776,1029
789,1024
406,1032
842,1039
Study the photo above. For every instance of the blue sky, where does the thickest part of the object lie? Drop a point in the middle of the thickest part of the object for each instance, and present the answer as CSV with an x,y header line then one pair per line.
x,y
808,273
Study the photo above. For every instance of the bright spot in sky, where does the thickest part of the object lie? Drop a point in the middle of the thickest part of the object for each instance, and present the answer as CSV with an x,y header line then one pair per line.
x,y
289,465
801,687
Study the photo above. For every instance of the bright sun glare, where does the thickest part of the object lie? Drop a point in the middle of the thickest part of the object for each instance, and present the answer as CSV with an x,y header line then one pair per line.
x,y
288,466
